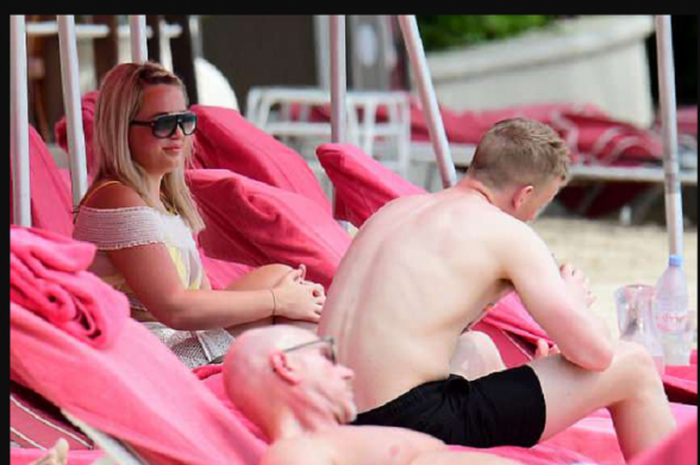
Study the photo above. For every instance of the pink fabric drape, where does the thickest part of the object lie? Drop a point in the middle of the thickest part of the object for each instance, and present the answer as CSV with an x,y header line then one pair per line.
x,y
136,390
48,277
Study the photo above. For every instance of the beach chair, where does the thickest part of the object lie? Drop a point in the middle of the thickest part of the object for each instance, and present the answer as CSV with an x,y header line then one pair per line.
x,y
141,405
136,391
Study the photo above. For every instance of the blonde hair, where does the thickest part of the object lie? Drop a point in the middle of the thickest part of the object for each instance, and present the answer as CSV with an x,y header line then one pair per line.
x,y
520,151
118,104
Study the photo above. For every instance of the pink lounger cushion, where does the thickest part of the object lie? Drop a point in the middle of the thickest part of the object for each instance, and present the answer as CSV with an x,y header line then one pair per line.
x,y
34,422
88,103
137,391
257,224
362,184
48,277
51,203
226,140
75,457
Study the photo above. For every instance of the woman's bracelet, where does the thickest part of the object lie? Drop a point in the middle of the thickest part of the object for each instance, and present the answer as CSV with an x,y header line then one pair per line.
x,y
274,306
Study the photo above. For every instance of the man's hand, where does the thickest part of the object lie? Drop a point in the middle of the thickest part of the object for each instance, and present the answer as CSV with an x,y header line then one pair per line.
x,y
543,350
578,285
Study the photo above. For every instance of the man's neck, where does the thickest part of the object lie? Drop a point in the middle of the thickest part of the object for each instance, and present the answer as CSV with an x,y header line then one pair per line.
x,y
477,188
287,425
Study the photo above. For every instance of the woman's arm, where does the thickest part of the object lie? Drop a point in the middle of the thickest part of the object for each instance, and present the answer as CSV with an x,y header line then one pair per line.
x,y
154,280
152,276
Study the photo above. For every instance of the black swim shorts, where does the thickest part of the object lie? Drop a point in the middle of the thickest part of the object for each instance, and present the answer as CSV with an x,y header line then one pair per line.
x,y
505,408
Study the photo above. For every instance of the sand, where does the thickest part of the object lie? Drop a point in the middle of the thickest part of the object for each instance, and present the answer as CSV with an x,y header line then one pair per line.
x,y
612,255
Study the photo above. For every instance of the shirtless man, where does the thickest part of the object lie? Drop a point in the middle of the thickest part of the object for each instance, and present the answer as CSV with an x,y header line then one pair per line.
x,y
424,267
286,381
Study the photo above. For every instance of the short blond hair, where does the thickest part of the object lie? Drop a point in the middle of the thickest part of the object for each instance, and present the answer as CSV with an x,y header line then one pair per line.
x,y
118,104
520,151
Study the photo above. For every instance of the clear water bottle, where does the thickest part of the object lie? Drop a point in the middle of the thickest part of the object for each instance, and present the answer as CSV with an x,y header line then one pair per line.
x,y
671,313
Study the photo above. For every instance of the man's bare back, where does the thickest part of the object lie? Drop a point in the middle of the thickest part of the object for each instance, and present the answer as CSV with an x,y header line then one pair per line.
x,y
417,275
423,268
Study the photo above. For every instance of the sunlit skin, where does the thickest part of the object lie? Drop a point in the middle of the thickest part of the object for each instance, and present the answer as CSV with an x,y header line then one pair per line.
x,y
158,156
301,400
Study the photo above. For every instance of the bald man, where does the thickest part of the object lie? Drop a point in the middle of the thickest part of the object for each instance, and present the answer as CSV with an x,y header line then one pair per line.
x,y
286,381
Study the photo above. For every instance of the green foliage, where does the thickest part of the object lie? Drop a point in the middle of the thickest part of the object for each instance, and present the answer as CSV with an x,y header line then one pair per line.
x,y
440,32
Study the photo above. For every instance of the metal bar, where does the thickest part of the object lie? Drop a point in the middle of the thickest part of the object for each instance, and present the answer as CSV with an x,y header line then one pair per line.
x,y
139,45
438,138
338,88
669,129
338,79
19,122
70,77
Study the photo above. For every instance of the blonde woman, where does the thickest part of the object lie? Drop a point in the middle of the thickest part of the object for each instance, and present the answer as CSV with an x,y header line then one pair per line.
x,y
140,214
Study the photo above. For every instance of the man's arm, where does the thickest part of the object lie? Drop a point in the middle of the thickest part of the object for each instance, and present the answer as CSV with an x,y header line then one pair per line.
x,y
557,300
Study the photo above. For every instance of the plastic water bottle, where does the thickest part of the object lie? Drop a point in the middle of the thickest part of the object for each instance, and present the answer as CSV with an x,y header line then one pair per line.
x,y
671,312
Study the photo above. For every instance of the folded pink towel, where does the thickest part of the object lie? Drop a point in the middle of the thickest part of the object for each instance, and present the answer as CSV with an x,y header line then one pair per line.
x,y
48,277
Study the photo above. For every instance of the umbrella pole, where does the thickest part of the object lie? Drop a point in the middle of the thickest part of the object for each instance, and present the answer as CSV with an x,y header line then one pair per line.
x,y
71,97
19,122
438,138
669,127
338,88
139,48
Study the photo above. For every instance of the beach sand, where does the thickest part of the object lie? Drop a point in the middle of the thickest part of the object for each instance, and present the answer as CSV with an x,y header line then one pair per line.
x,y
612,255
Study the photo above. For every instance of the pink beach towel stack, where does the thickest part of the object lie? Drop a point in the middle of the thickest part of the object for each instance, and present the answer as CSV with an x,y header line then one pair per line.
x,y
48,277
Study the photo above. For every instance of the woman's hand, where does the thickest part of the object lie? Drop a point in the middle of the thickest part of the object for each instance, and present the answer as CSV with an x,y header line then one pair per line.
x,y
298,299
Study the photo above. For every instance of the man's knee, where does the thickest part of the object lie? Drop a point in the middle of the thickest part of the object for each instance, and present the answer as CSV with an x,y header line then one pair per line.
x,y
478,355
637,364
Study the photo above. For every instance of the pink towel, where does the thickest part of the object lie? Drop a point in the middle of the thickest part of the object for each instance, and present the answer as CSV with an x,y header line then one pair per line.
x,y
137,390
48,277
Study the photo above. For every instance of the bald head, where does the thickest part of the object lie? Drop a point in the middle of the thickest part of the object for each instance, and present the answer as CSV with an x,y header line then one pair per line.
x,y
258,344
247,371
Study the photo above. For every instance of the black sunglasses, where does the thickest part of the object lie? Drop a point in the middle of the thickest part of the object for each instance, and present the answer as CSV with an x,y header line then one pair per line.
x,y
328,341
165,126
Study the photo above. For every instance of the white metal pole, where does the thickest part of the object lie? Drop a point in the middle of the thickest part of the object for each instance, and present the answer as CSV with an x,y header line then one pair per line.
x,y
71,99
338,89
338,79
19,122
139,46
438,138
669,127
